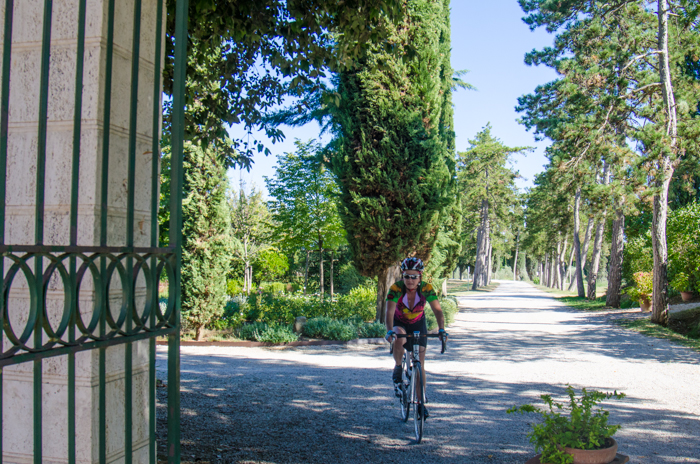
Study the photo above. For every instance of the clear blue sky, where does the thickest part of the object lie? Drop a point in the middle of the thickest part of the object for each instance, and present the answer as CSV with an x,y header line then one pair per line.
x,y
490,40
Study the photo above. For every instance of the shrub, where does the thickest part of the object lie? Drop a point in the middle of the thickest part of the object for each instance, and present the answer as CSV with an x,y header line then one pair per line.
x,y
330,329
273,333
277,334
574,424
349,278
449,310
683,232
644,282
536,280
274,287
251,331
372,330
638,256
234,287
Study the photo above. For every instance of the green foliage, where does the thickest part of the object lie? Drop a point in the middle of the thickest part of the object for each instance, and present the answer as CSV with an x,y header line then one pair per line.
x,y
393,154
267,333
349,278
250,226
372,330
234,287
449,310
274,287
683,232
644,286
207,247
575,424
244,57
283,308
536,280
347,329
269,264
638,256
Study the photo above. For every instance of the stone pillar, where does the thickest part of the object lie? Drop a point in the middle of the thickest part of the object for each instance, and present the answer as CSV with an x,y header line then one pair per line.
x,y
20,214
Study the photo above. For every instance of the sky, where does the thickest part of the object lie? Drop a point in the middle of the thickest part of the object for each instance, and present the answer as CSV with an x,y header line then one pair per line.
x,y
490,40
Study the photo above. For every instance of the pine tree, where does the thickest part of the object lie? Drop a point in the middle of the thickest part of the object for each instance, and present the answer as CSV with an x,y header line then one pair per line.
x,y
206,232
393,150
488,186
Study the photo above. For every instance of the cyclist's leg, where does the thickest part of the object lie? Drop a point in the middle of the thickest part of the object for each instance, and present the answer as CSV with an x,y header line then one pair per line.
x,y
398,344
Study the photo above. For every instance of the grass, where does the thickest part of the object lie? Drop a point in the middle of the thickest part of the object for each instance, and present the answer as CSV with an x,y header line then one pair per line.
x,y
464,288
572,300
648,328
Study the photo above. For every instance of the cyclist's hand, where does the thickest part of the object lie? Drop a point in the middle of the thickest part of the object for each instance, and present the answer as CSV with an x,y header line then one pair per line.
x,y
442,334
390,336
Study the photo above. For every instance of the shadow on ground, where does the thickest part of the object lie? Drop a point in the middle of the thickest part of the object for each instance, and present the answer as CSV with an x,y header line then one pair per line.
x,y
247,410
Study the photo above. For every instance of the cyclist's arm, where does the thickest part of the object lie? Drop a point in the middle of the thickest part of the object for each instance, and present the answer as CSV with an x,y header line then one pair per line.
x,y
390,308
437,310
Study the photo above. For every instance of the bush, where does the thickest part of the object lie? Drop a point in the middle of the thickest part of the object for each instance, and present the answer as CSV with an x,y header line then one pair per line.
x,y
330,329
372,330
449,310
274,287
349,278
644,282
234,287
683,233
504,273
638,256
264,333
536,280
233,314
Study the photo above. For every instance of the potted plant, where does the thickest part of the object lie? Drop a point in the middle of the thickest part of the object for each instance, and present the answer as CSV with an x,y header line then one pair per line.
x,y
641,292
681,282
573,432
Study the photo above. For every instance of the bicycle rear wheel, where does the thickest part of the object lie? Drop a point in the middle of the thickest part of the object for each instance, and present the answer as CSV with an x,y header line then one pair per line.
x,y
418,400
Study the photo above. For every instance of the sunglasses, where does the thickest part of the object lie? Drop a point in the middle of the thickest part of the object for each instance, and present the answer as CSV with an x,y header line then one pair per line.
x,y
410,276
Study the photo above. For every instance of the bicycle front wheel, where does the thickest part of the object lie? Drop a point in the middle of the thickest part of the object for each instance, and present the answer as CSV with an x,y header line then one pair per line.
x,y
418,399
405,400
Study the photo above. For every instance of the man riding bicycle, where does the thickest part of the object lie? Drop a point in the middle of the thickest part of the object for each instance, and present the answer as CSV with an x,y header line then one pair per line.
x,y
405,313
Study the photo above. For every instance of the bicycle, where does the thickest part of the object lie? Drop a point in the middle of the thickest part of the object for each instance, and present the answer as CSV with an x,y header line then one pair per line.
x,y
411,386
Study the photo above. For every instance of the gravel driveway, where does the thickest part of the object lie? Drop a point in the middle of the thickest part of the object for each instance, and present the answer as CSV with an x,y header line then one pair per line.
x,y
335,404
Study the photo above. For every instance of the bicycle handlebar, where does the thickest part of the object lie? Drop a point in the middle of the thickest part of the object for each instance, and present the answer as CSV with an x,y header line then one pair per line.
x,y
437,335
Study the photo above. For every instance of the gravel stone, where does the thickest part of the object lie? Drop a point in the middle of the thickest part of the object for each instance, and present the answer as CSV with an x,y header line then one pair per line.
x,y
323,404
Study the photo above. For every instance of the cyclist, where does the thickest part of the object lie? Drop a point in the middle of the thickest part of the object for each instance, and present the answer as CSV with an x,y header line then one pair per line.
x,y
405,313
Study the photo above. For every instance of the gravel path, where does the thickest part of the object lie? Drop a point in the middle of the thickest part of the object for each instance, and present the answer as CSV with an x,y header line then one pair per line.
x,y
335,404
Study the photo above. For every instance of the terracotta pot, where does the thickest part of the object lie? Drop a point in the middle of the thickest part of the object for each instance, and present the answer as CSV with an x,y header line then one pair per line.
x,y
686,296
645,305
599,456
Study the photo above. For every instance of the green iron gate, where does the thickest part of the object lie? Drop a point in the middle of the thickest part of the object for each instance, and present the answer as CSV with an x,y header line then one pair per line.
x,y
103,268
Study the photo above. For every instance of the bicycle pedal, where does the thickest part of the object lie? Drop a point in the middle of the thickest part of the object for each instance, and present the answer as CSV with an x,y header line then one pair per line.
x,y
398,391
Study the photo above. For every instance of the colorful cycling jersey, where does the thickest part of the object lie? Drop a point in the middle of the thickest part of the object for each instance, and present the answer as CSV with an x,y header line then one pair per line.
x,y
397,294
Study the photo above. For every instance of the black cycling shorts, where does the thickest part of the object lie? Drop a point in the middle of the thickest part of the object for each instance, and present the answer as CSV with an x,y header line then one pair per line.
x,y
419,326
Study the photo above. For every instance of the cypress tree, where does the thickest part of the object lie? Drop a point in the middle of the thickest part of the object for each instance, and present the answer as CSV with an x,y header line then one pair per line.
x,y
206,230
395,143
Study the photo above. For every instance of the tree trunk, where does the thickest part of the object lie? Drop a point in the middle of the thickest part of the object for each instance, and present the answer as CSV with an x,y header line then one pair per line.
x,y
557,260
569,277
482,248
595,258
659,314
598,244
616,255
306,272
577,244
198,333
515,260
545,270
584,252
384,282
562,264
321,287
331,276
489,263
460,273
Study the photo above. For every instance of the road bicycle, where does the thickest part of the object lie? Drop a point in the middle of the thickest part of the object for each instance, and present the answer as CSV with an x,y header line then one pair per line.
x,y
412,390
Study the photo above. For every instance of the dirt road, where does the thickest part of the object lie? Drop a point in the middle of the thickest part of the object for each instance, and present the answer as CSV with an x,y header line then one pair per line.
x,y
335,404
